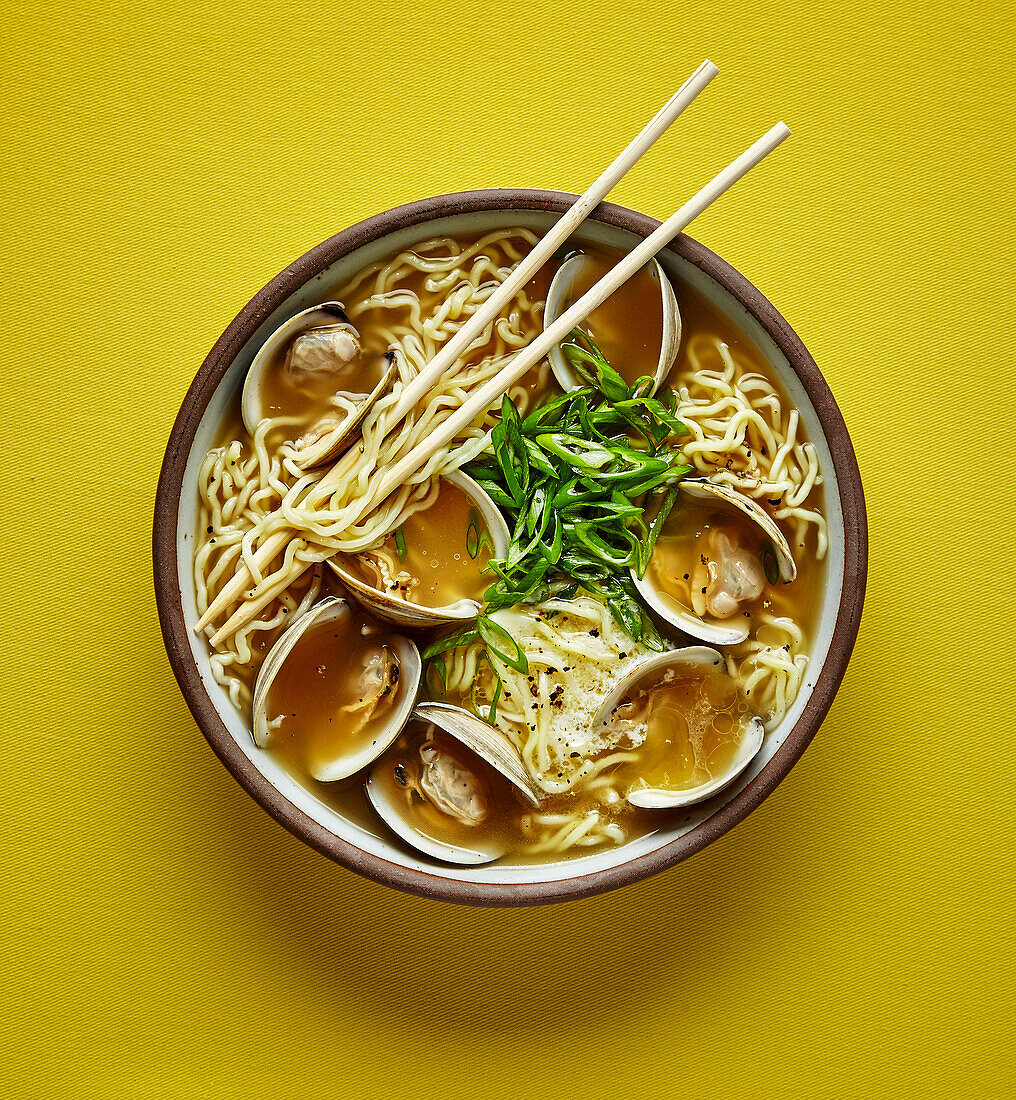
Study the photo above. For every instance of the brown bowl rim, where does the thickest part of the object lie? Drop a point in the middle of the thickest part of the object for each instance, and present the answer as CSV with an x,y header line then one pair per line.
x,y
174,630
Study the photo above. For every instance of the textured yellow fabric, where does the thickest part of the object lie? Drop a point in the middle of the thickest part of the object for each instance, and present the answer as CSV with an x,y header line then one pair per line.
x,y
161,936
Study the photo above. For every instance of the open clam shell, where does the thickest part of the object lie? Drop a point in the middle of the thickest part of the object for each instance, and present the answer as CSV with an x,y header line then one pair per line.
x,y
394,610
561,294
360,752
691,658
486,741
755,512
326,442
717,631
399,807
332,435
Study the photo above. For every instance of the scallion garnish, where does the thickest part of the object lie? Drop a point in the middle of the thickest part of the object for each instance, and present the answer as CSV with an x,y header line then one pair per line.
x,y
575,478
497,640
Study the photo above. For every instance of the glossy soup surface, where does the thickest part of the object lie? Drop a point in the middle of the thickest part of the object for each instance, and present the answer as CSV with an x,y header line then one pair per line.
x,y
334,693
486,809
695,722
438,557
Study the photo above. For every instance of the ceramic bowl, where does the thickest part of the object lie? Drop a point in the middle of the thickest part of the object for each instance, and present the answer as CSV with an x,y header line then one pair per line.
x,y
216,388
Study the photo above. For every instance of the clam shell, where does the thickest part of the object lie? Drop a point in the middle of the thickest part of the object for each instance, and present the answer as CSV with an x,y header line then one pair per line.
x,y
754,511
413,615
560,291
652,798
333,443
714,631
410,668
487,742
251,404
490,745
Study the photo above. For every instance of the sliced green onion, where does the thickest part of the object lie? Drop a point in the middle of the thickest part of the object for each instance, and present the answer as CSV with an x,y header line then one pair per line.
x,y
770,565
502,644
575,479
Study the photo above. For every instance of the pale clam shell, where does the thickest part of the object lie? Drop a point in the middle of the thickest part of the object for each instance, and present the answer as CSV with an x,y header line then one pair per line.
x,y
651,798
485,740
410,669
407,614
715,631
331,445
558,294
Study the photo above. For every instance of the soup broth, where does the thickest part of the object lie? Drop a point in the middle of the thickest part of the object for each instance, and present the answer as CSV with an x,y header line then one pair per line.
x,y
693,725
628,326
438,556
334,693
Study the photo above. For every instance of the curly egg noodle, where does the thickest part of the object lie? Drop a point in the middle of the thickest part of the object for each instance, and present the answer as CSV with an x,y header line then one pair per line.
x,y
251,489
740,432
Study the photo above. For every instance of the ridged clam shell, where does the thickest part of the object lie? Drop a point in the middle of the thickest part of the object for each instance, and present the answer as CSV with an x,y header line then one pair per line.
x,y
486,741
413,615
651,798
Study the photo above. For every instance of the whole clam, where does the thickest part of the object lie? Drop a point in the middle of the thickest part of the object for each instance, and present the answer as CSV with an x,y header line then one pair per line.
x,y
723,576
699,728
315,359
392,608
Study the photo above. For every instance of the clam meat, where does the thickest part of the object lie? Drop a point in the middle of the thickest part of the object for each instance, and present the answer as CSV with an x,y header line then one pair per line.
x,y
451,786
717,555
335,691
312,374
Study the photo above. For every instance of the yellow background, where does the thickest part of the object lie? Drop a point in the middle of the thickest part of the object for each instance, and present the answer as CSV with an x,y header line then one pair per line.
x,y
161,936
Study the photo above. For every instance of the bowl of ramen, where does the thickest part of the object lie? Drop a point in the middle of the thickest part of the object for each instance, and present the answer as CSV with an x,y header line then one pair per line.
x,y
591,633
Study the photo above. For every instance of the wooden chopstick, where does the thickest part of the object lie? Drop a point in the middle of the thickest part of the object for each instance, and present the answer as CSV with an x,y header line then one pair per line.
x,y
562,229
523,360
555,237
492,390
526,269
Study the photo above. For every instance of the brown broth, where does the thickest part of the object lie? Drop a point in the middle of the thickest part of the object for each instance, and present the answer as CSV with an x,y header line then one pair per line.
x,y
323,702
492,801
628,326
447,548
695,724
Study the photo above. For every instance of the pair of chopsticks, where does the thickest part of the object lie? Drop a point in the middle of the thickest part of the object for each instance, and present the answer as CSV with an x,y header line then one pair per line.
x,y
491,391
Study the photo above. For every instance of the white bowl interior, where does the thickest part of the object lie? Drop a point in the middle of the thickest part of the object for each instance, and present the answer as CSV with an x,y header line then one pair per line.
x,y
380,843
